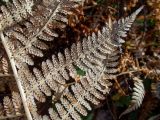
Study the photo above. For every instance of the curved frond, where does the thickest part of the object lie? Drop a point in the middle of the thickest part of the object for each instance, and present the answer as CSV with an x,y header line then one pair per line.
x,y
120,27
137,96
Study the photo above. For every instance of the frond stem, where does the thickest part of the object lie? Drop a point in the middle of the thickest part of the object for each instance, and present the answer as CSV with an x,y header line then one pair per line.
x,y
13,65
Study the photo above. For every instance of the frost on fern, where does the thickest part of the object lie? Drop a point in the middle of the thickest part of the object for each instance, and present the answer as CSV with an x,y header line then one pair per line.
x,y
97,55
29,37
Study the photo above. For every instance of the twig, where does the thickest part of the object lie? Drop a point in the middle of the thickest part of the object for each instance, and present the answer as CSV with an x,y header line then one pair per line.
x,y
28,114
119,87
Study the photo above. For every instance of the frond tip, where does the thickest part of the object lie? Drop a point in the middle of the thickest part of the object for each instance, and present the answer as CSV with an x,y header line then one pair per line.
x,y
120,27
137,96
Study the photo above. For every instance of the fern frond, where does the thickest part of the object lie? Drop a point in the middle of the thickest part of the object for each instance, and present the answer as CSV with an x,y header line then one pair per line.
x,y
15,12
120,27
28,38
97,55
137,96
59,69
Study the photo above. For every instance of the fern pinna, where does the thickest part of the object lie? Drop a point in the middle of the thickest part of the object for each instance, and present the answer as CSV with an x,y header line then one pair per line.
x,y
15,12
97,55
11,108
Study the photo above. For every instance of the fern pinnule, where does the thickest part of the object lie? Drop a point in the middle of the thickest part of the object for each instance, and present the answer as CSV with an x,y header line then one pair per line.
x,y
8,106
62,112
67,105
43,87
17,103
53,114
137,96
72,100
5,65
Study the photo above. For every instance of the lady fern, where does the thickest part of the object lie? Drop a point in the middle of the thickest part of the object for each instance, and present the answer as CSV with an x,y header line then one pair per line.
x,y
97,55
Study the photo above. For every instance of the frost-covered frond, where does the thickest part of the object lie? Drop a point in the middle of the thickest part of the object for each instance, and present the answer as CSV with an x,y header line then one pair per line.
x,y
97,55
137,96
29,37
15,12
11,108
120,27
89,56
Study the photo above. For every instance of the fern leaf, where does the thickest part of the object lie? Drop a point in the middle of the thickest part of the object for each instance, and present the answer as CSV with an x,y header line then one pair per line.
x,y
55,75
15,12
120,27
137,96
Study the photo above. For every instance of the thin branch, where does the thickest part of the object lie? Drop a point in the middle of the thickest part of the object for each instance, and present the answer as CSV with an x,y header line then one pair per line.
x,y
13,65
